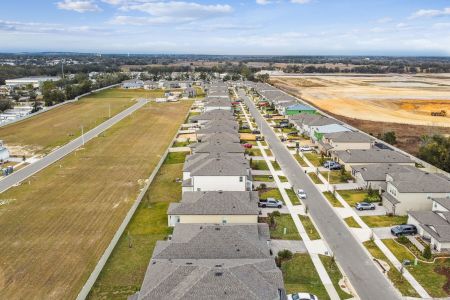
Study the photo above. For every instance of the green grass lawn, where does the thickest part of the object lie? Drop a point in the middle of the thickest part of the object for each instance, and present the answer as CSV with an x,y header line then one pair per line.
x,y
353,196
254,152
284,221
268,152
351,222
335,275
263,178
384,221
293,197
313,158
310,228
283,178
300,160
259,165
394,275
315,178
271,193
300,275
276,166
334,202
125,269
176,157
427,274
335,176
181,144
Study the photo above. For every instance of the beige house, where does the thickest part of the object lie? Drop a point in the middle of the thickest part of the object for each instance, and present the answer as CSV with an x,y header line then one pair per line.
x,y
345,140
413,190
358,157
215,208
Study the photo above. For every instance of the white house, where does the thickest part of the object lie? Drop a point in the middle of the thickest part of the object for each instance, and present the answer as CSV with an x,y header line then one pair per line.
x,y
4,153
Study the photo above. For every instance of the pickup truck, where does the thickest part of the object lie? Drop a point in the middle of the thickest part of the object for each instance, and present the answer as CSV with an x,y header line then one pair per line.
x,y
270,202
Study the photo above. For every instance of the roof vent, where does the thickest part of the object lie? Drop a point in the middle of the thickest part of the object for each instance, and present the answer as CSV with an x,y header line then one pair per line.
x,y
218,228
218,266
218,274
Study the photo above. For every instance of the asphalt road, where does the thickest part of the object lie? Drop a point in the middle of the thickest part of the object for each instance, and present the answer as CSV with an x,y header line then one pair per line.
x,y
367,280
56,155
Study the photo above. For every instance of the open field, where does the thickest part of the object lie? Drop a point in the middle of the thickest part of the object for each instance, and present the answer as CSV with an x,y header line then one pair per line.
x,y
125,270
62,219
388,98
42,133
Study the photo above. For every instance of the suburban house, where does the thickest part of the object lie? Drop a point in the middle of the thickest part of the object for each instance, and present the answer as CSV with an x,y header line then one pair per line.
x,y
214,129
413,190
374,175
4,153
203,261
218,174
215,208
217,114
298,109
344,140
133,84
357,157
217,147
218,103
318,131
221,137
434,226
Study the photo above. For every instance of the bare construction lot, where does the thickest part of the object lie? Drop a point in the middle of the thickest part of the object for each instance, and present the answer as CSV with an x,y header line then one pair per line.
x,y
55,226
403,99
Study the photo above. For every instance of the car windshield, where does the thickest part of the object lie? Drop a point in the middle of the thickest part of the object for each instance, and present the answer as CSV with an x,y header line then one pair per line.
x,y
295,297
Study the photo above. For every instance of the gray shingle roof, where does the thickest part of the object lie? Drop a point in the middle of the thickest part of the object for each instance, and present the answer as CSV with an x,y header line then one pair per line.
x,y
208,241
445,202
223,136
216,203
215,114
221,167
255,279
348,137
217,147
377,172
372,156
195,160
416,181
216,129
438,227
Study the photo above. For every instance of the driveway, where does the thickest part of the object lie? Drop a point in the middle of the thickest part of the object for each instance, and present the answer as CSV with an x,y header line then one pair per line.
x,y
354,260
383,232
378,211
267,210
293,246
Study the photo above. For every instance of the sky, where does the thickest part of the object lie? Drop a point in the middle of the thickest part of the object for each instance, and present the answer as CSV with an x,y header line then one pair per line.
x,y
241,27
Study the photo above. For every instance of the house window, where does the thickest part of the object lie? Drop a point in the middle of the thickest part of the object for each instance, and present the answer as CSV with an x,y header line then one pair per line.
x,y
241,179
198,189
224,221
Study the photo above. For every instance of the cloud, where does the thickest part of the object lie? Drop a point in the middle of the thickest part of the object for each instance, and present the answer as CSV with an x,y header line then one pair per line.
x,y
80,6
168,12
300,1
33,27
384,20
263,2
430,13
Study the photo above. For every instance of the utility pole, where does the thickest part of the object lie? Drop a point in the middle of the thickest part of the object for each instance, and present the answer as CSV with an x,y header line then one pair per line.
x,y
82,134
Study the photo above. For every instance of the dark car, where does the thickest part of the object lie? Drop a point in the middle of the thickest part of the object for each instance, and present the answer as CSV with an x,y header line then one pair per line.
x,y
406,229
256,131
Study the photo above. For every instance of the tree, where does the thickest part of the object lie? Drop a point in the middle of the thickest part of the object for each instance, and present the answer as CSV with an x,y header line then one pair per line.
x,y
5,104
436,151
390,138
285,254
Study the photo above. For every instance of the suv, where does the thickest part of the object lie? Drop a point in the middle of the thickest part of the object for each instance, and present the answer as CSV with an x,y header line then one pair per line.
x,y
270,202
365,206
301,296
305,148
404,230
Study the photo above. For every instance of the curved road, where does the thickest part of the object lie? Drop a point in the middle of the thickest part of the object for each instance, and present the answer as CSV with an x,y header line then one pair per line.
x,y
59,153
365,277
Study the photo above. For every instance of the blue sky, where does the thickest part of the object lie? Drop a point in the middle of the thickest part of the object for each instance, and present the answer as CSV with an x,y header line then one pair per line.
x,y
282,27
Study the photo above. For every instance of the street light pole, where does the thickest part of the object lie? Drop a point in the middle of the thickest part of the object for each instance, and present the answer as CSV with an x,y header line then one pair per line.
x,y
82,134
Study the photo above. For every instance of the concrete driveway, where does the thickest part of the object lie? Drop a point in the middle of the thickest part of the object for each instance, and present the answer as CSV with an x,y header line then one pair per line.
x,y
378,211
383,232
293,246
267,210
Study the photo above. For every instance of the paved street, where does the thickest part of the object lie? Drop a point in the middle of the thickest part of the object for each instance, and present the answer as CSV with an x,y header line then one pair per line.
x,y
361,271
56,155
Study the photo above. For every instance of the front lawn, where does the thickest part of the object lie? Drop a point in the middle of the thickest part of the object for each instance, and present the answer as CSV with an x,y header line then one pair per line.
x,y
336,176
270,193
176,157
315,178
429,275
276,166
394,275
353,196
313,158
284,221
300,275
335,274
259,165
384,221
293,197
263,178
309,228
332,199
254,152
351,222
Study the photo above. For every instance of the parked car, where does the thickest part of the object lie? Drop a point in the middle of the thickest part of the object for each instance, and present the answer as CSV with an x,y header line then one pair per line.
x,y
302,296
406,229
327,163
259,138
301,194
256,131
305,148
248,146
365,206
270,202
335,166
245,126
284,125
293,133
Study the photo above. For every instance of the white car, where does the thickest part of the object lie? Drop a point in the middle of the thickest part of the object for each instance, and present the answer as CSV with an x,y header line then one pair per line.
x,y
302,296
301,194
305,148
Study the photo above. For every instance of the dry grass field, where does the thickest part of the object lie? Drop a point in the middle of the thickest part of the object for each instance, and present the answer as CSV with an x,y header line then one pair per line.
x,y
55,226
42,133
403,99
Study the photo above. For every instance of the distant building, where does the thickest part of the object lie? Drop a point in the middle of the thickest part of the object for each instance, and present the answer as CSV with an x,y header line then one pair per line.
x,y
4,153
133,84
34,81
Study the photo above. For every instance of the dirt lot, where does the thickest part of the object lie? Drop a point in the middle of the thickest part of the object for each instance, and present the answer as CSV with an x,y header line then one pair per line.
x,y
55,227
58,126
403,99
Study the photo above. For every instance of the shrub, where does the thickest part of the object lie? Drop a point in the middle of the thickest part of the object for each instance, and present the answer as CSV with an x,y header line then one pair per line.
x,y
276,213
402,240
427,252
285,255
